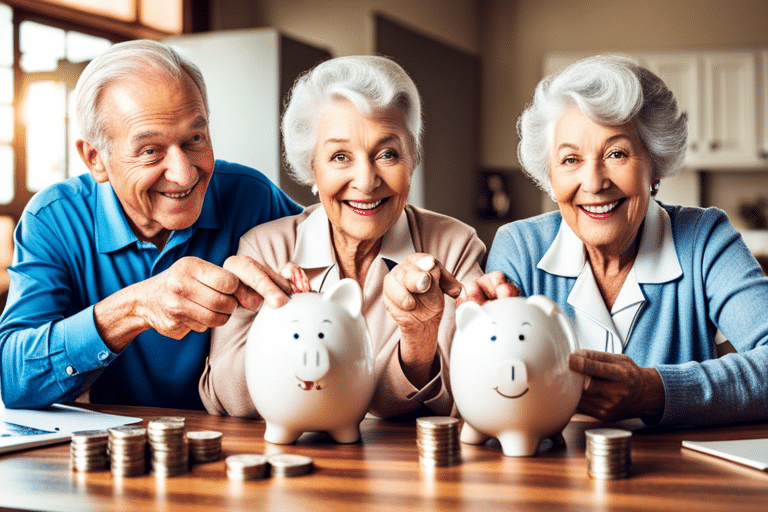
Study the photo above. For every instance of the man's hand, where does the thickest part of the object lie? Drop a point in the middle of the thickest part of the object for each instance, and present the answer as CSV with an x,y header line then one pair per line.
x,y
491,286
616,388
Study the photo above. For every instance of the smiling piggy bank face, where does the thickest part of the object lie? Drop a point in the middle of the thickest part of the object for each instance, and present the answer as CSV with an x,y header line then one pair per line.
x,y
509,372
309,365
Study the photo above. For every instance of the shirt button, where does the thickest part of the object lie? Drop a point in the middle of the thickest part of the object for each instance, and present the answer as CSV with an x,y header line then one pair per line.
x,y
103,355
71,370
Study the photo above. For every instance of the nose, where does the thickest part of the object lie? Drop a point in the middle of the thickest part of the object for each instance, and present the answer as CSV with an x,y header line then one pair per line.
x,y
511,377
366,177
179,169
595,178
313,363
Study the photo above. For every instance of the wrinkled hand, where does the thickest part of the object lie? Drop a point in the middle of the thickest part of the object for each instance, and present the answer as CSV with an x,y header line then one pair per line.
x,y
617,388
259,284
414,296
297,277
491,286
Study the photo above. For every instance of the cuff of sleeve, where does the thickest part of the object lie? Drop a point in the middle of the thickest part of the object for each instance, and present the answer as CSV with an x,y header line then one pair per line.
x,y
84,350
677,402
434,395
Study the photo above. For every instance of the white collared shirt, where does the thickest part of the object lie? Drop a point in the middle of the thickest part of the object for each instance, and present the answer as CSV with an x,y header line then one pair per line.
x,y
314,248
656,262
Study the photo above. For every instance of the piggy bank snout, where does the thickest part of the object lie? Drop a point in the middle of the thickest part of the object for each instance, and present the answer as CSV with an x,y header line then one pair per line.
x,y
313,363
511,378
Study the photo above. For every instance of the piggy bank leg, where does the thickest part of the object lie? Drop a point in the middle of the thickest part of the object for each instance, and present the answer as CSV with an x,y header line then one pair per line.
x,y
346,435
519,444
276,434
471,436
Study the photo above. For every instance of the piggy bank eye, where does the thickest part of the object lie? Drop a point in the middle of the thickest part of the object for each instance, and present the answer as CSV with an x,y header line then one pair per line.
x,y
523,331
295,335
320,335
521,337
493,338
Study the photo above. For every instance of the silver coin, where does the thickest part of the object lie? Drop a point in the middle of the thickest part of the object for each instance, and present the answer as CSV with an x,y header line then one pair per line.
x,y
286,464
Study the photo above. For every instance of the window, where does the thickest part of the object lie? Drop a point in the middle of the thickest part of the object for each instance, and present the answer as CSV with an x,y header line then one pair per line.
x,y
44,47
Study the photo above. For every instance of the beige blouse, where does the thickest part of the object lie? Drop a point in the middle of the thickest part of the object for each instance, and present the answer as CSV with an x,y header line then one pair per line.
x,y
305,239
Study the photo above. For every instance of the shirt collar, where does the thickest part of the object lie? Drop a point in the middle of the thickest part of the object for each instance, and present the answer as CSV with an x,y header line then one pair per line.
x,y
656,260
313,241
113,231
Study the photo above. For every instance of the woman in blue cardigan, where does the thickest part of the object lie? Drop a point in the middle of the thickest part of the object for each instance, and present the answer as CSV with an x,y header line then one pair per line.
x,y
647,285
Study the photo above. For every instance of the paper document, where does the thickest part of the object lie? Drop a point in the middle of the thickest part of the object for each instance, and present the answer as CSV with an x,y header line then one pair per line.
x,y
28,428
750,452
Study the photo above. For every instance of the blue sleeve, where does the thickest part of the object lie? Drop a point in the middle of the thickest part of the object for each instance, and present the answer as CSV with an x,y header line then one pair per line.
x,y
48,354
734,387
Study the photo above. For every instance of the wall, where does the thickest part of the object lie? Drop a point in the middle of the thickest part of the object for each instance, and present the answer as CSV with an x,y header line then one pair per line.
x,y
518,34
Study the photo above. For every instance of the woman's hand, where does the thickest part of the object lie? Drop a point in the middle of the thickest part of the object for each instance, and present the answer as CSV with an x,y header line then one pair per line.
x,y
413,295
616,388
297,277
491,286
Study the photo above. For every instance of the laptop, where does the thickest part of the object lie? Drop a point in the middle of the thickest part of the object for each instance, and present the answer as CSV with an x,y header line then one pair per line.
x,y
750,452
26,428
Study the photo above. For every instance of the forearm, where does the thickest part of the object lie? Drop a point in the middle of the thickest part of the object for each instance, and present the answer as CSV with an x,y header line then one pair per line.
x,y
116,320
51,363
729,389
417,350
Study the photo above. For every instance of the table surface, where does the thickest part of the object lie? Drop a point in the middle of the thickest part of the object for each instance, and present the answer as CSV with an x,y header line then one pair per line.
x,y
382,472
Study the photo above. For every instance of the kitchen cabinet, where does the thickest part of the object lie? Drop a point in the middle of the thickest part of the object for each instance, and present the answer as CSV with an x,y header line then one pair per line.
x,y
248,73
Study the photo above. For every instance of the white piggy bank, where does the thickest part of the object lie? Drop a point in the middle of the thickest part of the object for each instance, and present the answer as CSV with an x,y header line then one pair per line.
x,y
309,365
509,372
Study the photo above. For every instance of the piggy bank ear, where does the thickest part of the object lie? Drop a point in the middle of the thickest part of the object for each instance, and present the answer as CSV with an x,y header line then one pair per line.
x,y
551,310
347,294
467,314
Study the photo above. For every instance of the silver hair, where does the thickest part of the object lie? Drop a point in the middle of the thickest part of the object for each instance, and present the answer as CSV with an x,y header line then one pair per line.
x,y
124,60
610,90
371,83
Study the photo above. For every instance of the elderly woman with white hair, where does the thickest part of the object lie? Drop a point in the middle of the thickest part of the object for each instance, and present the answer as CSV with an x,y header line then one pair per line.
x,y
647,284
352,130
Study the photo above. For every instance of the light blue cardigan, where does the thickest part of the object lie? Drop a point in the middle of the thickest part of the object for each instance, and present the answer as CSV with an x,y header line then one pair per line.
x,y
722,287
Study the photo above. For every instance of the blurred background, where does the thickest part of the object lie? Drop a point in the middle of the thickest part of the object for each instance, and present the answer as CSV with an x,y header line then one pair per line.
x,y
476,63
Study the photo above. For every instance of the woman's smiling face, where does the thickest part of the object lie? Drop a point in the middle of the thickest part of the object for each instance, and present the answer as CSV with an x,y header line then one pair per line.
x,y
362,168
601,179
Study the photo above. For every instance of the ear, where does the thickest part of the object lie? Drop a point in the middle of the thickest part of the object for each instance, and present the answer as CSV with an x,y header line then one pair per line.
x,y
550,309
467,313
93,159
348,295
544,303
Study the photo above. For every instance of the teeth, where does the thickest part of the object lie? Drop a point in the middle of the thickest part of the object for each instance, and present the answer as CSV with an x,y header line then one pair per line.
x,y
177,196
601,209
364,206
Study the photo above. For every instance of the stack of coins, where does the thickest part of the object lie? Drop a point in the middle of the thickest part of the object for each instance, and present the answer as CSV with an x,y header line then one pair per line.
x,y
168,446
127,451
437,438
88,450
246,466
286,464
204,446
609,453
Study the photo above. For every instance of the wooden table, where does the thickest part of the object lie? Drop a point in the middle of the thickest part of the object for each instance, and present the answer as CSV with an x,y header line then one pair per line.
x,y
383,473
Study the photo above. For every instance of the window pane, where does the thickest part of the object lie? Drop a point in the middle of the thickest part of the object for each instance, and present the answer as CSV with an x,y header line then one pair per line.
x,y
82,47
6,86
75,163
162,15
6,36
6,174
120,9
41,46
44,116
6,124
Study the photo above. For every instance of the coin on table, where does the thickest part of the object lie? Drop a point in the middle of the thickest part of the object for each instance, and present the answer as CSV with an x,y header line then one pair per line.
x,y
287,464
204,445
246,466
608,453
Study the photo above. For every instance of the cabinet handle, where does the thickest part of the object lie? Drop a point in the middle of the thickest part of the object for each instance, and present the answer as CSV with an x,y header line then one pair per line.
x,y
714,145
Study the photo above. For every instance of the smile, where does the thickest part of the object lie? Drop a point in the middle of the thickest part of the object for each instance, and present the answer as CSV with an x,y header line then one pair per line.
x,y
601,211
511,397
365,208
178,195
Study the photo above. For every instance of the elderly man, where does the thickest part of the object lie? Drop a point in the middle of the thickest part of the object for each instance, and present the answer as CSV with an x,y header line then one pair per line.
x,y
116,278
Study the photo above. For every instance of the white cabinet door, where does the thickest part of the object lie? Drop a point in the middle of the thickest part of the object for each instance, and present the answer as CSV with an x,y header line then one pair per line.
x,y
728,109
681,73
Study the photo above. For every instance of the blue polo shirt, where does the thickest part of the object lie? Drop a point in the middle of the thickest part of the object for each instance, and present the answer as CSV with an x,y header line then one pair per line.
x,y
74,247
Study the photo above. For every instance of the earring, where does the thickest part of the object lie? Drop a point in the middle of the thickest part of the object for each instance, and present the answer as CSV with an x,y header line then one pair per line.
x,y
654,188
